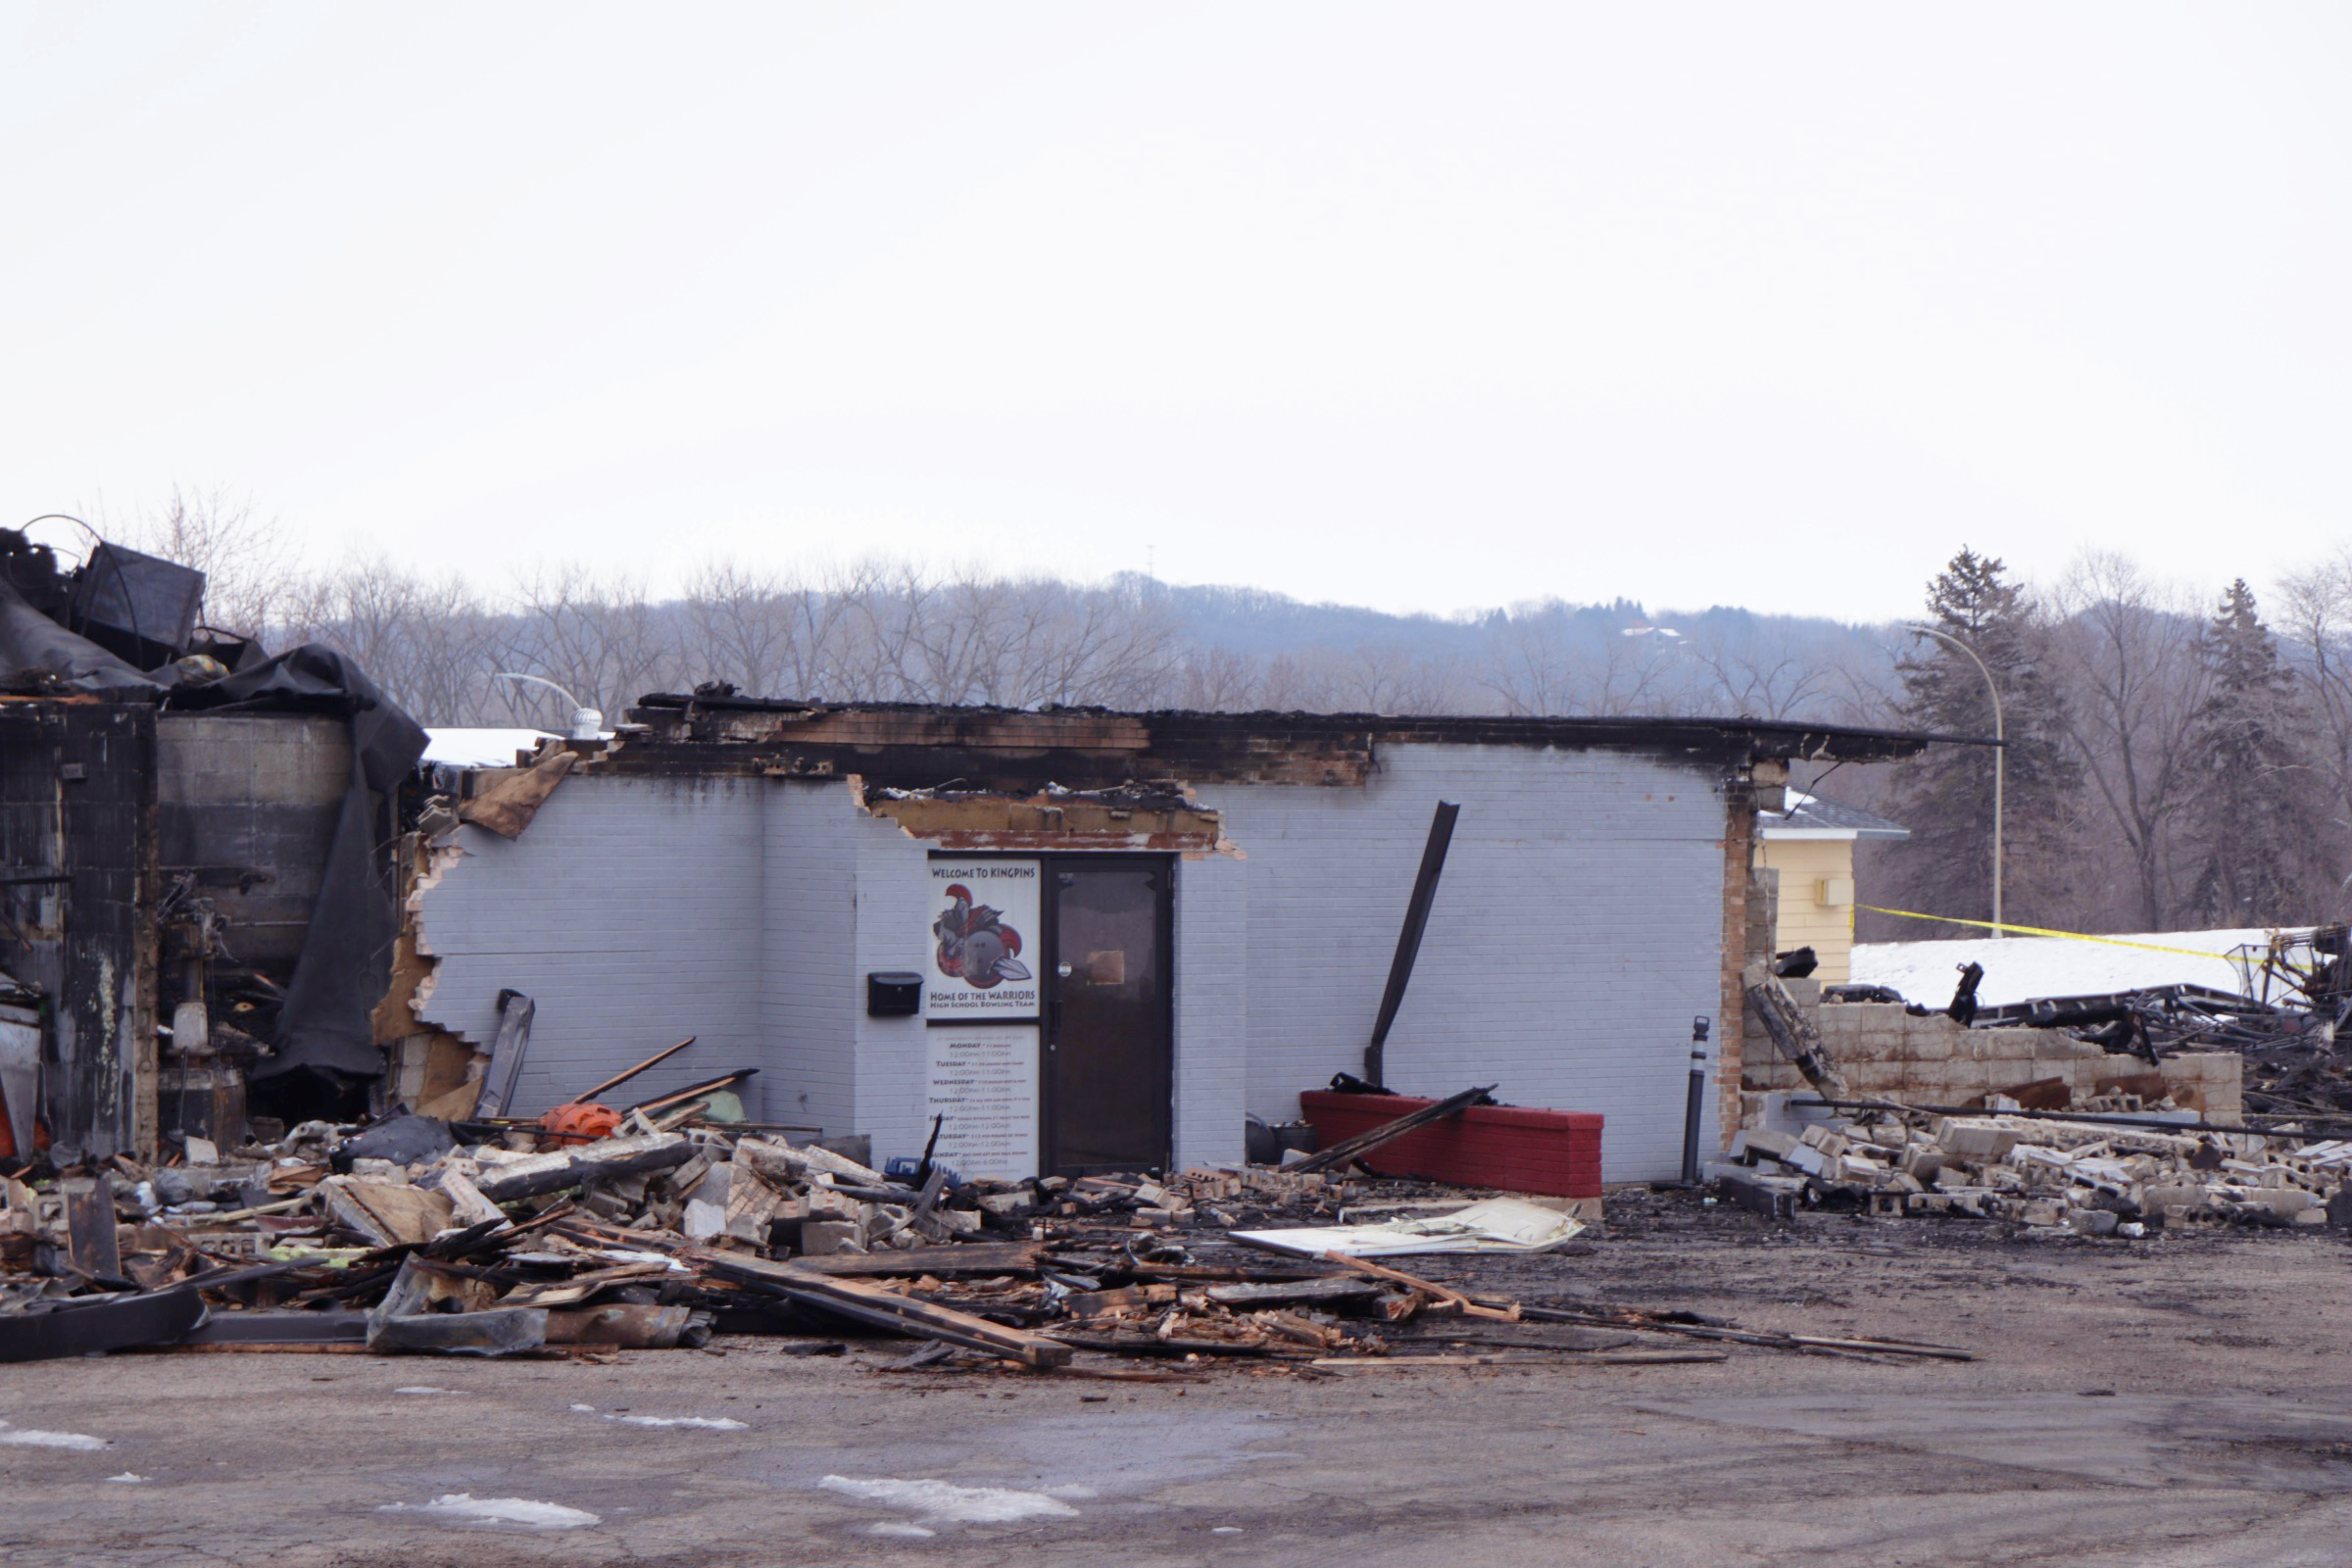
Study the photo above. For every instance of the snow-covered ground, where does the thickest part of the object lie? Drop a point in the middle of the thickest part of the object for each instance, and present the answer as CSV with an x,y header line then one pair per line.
x,y
2021,968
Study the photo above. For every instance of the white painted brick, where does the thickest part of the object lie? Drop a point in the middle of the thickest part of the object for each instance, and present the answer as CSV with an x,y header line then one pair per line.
x,y
1577,932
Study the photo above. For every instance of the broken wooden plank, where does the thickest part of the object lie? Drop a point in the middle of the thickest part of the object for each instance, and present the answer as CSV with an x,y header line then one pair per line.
x,y
1651,1323
580,1287
90,1226
619,1078
507,1048
709,1086
590,1163
1140,1344
1429,1288
1126,1298
963,1257
387,1213
870,1304
1333,1291
1407,1363
467,1206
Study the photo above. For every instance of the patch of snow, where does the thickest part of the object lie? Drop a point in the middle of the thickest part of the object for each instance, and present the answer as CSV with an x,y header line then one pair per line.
x,y
892,1527
462,1507
126,1477
2021,969
934,1501
421,1389
29,1437
1226,1530
722,1424
460,746
585,1409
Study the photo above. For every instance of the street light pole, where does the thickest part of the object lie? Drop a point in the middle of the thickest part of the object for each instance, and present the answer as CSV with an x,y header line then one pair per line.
x,y
2000,760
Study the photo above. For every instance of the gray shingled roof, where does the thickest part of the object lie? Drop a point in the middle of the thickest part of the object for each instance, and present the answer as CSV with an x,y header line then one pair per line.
x,y
1812,811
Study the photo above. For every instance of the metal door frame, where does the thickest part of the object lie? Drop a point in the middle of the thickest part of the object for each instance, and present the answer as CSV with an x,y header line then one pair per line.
x,y
1050,995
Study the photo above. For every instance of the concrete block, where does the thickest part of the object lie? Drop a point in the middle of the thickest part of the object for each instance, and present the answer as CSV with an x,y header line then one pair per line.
x,y
1760,1143
1824,1138
1974,1141
822,1237
2284,1202
1929,1040
1809,1160
1775,1198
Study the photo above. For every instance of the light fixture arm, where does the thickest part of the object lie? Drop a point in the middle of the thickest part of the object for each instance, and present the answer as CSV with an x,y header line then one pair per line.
x,y
587,723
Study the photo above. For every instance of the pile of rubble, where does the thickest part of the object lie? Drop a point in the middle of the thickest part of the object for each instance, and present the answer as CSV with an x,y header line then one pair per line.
x,y
2112,1164
2096,1177
400,1238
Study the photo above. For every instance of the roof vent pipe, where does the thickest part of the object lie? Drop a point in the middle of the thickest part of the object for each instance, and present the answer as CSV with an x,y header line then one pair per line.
x,y
587,723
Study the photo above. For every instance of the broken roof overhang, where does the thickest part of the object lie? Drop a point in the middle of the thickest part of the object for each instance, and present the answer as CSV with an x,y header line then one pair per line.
x,y
1133,819
918,746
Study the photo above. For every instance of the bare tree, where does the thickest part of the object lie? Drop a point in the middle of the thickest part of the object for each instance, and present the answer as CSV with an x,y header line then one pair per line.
x,y
603,641
1216,680
2126,650
1528,666
1759,676
244,557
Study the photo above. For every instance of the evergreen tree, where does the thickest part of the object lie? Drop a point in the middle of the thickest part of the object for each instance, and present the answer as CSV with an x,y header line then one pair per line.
x,y
1945,796
2255,807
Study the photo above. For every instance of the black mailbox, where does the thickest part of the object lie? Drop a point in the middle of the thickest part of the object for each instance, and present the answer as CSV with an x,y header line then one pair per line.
x,y
894,993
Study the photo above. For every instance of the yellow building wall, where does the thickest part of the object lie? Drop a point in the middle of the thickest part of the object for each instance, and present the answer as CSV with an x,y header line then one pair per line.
x,y
1805,920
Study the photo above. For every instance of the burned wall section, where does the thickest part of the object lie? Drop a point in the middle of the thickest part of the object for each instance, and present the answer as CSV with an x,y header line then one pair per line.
x,y
247,806
1578,929
77,884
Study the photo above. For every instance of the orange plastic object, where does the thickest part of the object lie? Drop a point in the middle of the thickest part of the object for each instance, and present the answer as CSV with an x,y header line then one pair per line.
x,y
577,1123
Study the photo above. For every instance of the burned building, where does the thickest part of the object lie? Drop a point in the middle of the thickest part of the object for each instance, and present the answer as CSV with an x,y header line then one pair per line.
x,y
1088,940
194,860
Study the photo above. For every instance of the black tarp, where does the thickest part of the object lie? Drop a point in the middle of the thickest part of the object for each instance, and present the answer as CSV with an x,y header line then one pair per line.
x,y
347,954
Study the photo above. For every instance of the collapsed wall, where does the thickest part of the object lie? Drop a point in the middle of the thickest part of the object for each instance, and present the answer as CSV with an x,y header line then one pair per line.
x,y
1886,1050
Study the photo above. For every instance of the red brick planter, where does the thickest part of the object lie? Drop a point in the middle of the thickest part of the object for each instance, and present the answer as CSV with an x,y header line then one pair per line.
x,y
1557,1152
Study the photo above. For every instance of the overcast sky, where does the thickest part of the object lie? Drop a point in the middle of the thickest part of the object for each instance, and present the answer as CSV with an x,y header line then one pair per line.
x,y
1423,307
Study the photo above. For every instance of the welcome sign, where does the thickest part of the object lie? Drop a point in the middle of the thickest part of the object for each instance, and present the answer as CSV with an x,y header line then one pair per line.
x,y
983,938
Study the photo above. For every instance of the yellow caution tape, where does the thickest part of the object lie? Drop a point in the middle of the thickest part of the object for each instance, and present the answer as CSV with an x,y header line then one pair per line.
x,y
2043,931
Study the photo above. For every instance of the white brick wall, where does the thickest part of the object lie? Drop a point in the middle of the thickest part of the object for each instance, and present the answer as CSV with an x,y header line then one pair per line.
x,y
1577,931
1213,1010
894,912
808,930
622,913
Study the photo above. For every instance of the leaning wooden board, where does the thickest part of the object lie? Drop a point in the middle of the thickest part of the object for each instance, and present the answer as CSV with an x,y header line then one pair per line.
x,y
884,1308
